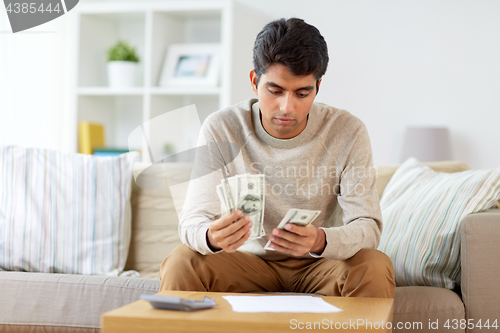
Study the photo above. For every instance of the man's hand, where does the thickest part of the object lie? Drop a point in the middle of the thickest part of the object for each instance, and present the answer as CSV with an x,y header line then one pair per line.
x,y
229,232
298,240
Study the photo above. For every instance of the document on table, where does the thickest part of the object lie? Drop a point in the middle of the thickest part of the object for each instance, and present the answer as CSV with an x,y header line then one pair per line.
x,y
296,304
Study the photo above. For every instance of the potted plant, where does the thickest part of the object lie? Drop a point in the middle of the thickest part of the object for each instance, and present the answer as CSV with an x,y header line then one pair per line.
x,y
122,65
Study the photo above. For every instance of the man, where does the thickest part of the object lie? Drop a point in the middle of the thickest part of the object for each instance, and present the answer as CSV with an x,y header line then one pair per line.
x,y
314,157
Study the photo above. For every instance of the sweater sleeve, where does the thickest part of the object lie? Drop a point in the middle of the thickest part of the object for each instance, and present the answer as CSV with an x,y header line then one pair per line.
x,y
201,205
358,198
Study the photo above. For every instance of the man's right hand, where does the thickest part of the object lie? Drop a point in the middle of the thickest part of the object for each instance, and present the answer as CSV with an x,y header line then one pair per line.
x,y
229,232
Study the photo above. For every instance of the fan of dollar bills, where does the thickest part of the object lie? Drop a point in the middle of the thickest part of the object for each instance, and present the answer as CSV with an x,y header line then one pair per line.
x,y
296,216
247,193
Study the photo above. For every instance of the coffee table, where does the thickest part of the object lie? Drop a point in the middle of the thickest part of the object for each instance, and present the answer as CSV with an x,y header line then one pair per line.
x,y
358,315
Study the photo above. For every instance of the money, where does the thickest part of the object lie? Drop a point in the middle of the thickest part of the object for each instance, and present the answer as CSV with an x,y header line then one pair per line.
x,y
223,200
296,216
247,193
251,201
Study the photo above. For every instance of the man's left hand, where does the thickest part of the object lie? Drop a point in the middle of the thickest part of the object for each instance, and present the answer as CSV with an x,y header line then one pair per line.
x,y
298,240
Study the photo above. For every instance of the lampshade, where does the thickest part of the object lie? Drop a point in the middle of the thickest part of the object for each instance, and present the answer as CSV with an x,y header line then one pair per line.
x,y
427,144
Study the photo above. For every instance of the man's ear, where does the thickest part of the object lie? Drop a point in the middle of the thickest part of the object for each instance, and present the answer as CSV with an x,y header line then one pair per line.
x,y
317,86
253,81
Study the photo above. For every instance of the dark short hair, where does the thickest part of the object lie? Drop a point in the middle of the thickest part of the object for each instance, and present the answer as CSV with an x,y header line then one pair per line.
x,y
293,43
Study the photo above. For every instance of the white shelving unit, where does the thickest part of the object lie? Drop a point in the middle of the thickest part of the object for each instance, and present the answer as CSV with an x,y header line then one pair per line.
x,y
151,27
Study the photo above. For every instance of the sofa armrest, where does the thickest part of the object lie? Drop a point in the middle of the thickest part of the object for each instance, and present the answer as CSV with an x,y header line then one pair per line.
x,y
480,254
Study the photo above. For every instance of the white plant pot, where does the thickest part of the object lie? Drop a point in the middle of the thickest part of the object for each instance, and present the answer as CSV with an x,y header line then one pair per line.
x,y
122,74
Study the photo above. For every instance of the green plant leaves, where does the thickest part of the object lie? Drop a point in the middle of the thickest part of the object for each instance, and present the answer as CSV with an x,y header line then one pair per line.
x,y
122,51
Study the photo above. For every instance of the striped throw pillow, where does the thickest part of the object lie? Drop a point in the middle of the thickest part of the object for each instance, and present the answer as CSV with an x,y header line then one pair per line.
x,y
64,213
422,212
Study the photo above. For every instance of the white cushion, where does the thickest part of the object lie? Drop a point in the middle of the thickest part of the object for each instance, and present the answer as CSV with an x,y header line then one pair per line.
x,y
422,212
64,213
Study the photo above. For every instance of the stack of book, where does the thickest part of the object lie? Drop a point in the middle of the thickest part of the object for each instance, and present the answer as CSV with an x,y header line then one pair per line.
x,y
92,141
109,151
90,136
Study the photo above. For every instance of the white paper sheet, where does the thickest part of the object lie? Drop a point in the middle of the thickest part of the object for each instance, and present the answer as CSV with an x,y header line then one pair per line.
x,y
296,304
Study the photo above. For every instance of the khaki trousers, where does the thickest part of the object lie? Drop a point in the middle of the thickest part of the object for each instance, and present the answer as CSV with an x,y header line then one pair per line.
x,y
369,273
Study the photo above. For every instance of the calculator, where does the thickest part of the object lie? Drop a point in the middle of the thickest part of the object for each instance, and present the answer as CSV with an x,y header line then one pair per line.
x,y
179,304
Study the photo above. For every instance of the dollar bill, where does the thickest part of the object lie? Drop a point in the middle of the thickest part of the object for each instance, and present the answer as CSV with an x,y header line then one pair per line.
x,y
247,193
296,216
223,200
251,201
228,194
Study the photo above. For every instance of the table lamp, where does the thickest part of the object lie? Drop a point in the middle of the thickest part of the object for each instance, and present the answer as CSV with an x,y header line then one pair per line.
x,y
427,144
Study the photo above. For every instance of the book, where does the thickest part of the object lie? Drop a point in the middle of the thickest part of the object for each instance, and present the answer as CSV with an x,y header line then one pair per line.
x,y
110,151
90,135
104,151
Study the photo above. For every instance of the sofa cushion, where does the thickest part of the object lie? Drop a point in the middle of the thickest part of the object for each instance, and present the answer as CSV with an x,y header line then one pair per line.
x,y
154,215
416,307
384,173
43,302
63,212
422,212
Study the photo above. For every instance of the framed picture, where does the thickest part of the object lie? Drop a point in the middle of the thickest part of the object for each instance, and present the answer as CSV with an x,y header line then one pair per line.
x,y
191,64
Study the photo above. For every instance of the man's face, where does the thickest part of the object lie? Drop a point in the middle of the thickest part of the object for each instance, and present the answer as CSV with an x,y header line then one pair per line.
x,y
285,100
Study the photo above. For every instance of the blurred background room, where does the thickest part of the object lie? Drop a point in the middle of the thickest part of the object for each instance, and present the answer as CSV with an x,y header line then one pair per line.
x,y
423,75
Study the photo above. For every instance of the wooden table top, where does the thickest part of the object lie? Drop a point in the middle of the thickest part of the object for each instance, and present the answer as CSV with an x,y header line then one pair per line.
x,y
358,315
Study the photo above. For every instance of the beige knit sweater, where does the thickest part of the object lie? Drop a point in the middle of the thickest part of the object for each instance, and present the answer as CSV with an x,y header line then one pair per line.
x,y
327,167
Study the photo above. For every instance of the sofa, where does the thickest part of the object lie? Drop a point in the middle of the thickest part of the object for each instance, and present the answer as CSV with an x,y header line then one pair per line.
x,y
49,302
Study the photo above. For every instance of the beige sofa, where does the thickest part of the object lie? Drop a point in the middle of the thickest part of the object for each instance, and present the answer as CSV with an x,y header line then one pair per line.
x,y
38,302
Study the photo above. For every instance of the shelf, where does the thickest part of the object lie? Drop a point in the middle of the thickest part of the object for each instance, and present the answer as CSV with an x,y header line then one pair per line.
x,y
152,27
107,91
185,91
97,32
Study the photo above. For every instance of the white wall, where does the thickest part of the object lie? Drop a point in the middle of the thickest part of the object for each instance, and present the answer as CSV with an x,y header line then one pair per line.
x,y
35,74
393,63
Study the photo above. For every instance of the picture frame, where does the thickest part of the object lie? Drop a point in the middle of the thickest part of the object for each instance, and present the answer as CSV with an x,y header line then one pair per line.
x,y
191,64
